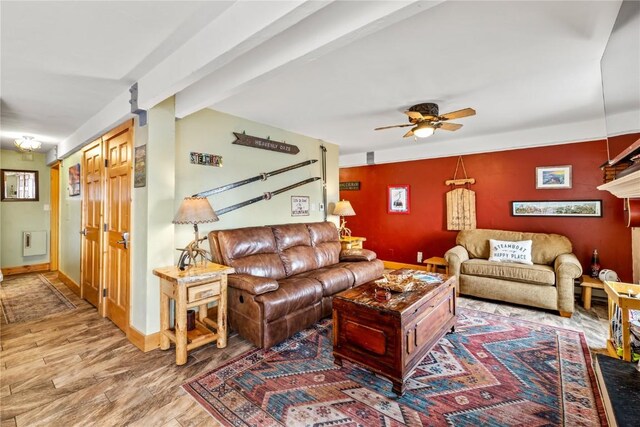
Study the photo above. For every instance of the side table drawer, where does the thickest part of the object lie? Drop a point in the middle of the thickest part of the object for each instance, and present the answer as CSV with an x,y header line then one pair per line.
x,y
197,293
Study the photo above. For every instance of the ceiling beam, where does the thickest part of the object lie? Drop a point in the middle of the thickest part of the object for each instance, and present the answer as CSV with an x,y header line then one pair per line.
x,y
333,26
240,27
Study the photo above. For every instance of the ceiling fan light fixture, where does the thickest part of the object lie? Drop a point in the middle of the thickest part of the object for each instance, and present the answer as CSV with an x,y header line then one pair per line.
x,y
27,144
424,130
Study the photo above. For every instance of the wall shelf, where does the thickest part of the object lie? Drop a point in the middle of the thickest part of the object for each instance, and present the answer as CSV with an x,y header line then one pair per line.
x,y
624,187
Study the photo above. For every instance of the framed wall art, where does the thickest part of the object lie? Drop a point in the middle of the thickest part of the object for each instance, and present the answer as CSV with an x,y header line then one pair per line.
x,y
552,177
299,205
588,208
398,199
74,180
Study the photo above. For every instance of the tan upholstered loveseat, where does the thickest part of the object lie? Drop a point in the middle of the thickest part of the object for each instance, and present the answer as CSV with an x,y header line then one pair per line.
x,y
548,283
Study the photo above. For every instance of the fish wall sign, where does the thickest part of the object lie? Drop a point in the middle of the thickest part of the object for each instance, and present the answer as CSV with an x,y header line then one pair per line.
x,y
205,159
265,144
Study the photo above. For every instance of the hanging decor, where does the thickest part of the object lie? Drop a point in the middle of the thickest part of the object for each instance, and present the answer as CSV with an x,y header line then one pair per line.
x,y
205,159
265,144
461,202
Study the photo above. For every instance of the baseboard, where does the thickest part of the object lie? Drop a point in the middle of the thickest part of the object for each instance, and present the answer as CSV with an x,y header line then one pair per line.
x,y
21,269
391,265
143,342
75,288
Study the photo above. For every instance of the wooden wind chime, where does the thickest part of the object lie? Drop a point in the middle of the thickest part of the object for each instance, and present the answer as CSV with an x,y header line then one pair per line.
x,y
461,202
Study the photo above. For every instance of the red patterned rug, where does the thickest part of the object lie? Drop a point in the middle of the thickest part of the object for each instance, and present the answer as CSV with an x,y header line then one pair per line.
x,y
493,371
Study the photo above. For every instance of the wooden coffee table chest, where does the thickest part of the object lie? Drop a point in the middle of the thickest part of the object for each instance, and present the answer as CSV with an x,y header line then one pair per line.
x,y
391,337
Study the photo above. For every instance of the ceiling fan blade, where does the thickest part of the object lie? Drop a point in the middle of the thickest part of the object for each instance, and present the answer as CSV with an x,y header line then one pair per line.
x,y
414,115
408,134
458,114
395,126
450,126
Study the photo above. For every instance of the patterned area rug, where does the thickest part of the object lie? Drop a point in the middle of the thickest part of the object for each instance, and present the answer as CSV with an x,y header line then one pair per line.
x,y
493,371
29,297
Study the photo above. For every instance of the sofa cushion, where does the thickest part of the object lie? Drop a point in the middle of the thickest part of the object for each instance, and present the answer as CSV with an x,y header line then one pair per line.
x,y
294,245
537,274
251,250
364,271
326,242
357,255
293,294
506,251
544,249
333,279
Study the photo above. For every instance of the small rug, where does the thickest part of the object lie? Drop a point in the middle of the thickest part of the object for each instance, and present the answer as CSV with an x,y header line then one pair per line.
x,y
493,371
30,297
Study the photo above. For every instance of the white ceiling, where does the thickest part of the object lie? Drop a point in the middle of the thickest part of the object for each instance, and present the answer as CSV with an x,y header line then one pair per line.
x,y
330,70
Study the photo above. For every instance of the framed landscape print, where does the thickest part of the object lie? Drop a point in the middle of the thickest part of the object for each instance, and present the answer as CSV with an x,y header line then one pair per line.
x,y
398,199
589,208
550,177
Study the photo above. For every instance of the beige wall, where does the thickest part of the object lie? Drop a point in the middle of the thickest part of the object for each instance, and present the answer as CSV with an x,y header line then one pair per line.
x,y
70,222
17,217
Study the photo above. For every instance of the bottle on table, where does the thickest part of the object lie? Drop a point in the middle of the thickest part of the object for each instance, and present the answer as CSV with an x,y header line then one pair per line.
x,y
595,264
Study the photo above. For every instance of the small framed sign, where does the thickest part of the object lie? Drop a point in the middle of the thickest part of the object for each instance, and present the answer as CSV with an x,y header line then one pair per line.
x,y
350,186
140,166
74,180
299,205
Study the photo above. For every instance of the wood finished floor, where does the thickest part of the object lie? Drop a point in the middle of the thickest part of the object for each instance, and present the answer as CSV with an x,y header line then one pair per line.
x,y
77,368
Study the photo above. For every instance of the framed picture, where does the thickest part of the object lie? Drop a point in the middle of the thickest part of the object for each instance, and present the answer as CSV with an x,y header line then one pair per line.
x,y
588,208
398,199
299,205
140,166
550,177
74,180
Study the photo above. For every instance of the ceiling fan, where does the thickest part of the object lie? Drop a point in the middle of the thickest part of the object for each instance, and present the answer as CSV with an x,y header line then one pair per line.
x,y
425,119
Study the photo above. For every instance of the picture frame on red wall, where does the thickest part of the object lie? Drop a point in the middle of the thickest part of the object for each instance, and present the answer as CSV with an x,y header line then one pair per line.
x,y
398,199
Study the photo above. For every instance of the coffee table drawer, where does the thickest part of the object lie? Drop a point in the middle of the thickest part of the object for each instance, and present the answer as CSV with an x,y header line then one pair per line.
x,y
426,328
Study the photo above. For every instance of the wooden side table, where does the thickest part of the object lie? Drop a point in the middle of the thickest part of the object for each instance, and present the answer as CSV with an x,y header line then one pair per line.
x,y
194,287
352,242
435,263
588,283
623,295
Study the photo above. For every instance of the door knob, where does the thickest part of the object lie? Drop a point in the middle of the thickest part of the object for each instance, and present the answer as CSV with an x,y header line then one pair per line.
x,y
83,232
125,240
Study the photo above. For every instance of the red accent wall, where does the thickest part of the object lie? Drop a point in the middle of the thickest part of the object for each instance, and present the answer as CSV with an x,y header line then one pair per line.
x,y
501,177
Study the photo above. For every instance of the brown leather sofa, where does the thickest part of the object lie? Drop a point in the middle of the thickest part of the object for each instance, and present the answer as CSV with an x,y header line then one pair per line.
x,y
286,276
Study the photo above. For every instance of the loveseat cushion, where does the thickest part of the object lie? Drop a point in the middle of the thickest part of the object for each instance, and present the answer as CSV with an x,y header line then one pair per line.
x,y
333,279
293,294
544,249
537,274
251,250
326,242
294,245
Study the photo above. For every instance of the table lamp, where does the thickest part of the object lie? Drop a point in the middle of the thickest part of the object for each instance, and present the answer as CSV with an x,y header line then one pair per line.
x,y
194,210
343,208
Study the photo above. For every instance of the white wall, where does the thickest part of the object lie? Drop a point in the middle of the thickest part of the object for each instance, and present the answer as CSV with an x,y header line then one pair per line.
x,y
17,217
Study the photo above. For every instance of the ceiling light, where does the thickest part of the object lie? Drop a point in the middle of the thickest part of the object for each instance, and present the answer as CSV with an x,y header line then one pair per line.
x,y
27,143
424,130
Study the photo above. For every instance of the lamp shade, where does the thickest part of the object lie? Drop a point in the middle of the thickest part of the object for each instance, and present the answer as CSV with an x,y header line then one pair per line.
x,y
424,130
343,208
195,210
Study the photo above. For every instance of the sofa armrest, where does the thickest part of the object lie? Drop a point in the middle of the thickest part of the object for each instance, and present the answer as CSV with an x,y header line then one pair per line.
x,y
567,268
254,285
351,255
455,257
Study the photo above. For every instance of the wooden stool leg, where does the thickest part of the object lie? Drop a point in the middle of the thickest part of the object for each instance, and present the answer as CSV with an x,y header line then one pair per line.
x,y
587,298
